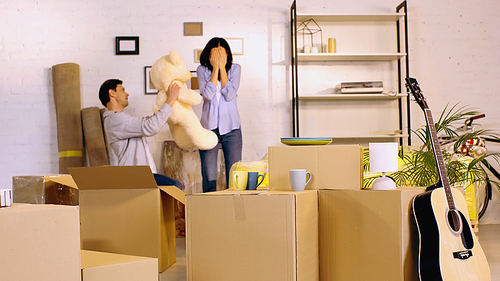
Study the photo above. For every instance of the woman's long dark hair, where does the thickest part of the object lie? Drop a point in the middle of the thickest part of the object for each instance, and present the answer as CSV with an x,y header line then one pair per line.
x,y
214,43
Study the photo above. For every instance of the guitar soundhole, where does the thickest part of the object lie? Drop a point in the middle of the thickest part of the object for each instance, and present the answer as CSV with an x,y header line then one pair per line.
x,y
454,220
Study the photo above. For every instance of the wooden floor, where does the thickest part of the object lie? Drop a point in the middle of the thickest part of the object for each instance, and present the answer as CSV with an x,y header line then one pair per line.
x,y
489,237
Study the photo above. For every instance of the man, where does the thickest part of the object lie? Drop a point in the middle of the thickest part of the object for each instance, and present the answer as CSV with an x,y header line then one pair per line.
x,y
126,134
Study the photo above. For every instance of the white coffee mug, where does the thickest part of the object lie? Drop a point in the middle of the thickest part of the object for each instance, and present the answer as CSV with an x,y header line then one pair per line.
x,y
298,180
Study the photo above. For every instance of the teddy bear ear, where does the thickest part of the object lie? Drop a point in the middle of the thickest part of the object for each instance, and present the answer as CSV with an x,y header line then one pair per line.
x,y
175,57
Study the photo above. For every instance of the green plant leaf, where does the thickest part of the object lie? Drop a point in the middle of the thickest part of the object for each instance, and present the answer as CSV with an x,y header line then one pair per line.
x,y
419,166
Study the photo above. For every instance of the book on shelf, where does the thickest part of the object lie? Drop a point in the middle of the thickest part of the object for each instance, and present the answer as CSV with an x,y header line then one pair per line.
x,y
361,87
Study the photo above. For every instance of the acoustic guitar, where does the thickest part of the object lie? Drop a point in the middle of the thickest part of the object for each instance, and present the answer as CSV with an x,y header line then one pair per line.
x,y
448,250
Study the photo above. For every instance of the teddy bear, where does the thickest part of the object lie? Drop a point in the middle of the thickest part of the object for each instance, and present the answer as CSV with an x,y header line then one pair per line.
x,y
183,122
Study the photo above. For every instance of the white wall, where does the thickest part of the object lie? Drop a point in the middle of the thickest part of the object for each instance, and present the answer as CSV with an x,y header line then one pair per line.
x,y
454,55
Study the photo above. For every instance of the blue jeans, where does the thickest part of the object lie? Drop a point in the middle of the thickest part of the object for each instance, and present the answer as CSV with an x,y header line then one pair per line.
x,y
164,180
232,145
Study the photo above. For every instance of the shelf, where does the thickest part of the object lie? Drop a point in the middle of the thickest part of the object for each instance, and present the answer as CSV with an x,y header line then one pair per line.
x,y
350,57
351,17
388,33
372,136
351,97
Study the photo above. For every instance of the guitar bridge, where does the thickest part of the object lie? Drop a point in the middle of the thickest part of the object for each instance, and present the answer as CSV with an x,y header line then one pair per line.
x,y
462,255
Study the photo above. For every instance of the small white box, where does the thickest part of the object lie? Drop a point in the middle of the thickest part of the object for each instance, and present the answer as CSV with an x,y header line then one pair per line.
x,y
5,197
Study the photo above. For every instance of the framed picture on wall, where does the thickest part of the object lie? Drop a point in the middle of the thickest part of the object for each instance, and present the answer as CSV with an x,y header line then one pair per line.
x,y
236,45
193,82
148,85
127,45
193,29
197,55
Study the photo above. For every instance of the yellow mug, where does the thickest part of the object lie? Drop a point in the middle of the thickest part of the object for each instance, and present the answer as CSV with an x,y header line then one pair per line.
x,y
240,179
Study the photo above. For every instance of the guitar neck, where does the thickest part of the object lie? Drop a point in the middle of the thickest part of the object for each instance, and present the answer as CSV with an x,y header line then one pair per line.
x,y
443,175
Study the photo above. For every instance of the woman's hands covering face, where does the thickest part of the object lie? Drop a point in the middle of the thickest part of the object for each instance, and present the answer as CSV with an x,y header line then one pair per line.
x,y
214,58
218,57
223,57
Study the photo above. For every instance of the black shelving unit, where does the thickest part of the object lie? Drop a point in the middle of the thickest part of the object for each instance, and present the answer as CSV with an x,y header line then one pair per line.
x,y
402,39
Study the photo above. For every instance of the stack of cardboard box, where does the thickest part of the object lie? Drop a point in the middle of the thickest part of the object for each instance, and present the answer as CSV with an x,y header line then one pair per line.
x,y
125,222
42,242
333,230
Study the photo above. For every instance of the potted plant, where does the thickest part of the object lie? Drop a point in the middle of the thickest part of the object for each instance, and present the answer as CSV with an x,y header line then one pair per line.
x,y
418,165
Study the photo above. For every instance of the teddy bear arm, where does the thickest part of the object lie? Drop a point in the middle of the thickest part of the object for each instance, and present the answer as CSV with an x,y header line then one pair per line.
x,y
161,98
189,96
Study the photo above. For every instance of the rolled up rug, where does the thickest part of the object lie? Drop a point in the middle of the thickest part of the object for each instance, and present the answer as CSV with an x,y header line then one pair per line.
x,y
66,86
93,133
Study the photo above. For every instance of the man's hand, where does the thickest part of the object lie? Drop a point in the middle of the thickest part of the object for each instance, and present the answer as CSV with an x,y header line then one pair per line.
x,y
173,93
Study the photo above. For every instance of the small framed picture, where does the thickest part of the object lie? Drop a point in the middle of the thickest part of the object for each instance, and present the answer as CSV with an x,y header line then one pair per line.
x,y
197,55
236,45
127,45
148,85
193,82
193,29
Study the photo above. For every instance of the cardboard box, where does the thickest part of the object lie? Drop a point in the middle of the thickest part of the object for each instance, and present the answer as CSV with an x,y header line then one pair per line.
x,y
367,235
123,211
100,266
252,235
39,242
331,166
42,190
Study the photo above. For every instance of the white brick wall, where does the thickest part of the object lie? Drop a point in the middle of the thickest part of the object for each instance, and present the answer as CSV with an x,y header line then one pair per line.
x,y
454,55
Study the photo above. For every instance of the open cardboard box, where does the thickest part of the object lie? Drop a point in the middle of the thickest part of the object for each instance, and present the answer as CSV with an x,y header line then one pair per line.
x,y
123,211
99,266
252,235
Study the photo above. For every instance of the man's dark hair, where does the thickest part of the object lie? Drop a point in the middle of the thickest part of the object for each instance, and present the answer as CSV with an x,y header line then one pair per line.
x,y
214,43
110,84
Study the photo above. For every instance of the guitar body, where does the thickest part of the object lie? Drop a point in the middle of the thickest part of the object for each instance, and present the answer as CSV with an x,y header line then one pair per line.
x,y
446,254
448,250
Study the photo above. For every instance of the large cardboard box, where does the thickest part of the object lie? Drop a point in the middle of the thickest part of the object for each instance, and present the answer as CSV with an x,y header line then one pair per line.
x,y
39,242
331,166
100,266
41,189
123,211
252,235
367,235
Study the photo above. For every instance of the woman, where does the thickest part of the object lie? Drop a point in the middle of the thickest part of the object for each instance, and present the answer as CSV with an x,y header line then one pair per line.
x,y
219,79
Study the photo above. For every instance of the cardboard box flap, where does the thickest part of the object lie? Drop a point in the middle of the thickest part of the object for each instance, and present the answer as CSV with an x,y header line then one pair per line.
x,y
175,192
285,192
95,258
113,177
230,192
102,266
66,180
